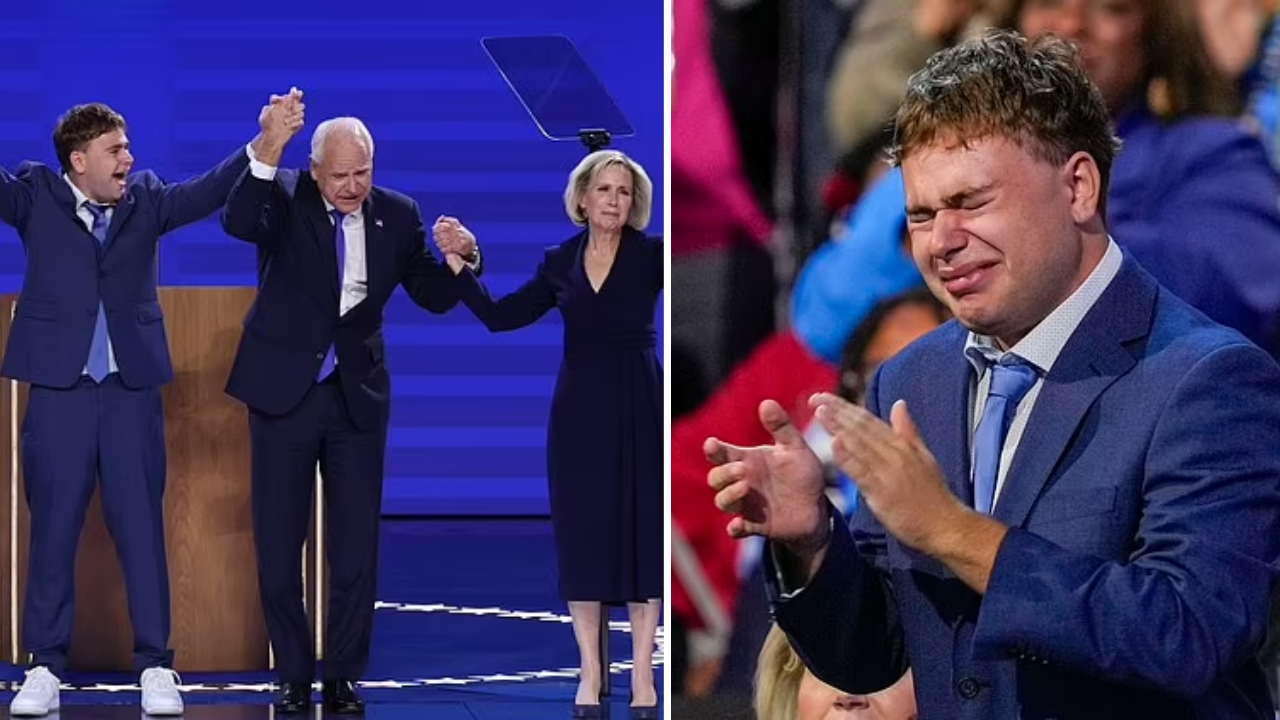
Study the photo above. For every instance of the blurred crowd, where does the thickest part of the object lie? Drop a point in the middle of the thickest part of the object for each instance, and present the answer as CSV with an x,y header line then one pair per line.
x,y
790,274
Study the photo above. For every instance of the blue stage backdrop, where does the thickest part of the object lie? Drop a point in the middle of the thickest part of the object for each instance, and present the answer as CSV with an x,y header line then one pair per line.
x,y
469,412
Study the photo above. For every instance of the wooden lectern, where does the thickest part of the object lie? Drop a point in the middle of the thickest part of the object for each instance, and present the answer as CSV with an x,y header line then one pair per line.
x,y
216,618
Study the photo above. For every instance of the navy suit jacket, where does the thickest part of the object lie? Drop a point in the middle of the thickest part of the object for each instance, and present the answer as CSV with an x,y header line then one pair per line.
x,y
295,319
69,271
1144,511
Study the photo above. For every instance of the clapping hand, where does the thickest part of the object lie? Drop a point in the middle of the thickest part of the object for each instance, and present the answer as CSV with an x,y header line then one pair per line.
x,y
775,491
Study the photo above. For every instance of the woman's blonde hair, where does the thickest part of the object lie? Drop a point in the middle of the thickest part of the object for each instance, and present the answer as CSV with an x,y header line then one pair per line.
x,y
587,171
778,675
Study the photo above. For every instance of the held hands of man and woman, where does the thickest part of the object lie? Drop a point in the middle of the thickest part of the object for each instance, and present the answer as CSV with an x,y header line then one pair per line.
x,y
455,241
777,491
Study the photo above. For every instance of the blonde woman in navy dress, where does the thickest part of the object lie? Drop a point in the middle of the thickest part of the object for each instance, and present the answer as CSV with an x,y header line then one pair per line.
x,y
604,439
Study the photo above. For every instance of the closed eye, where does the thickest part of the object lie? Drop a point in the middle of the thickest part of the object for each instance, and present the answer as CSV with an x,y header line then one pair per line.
x,y
919,216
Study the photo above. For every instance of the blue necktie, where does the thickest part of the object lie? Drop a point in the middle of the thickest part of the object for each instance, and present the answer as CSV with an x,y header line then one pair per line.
x,y
1010,380
99,365
340,245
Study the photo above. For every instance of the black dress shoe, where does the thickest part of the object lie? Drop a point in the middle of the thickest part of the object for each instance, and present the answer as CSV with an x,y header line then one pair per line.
x,y
294,698
340,697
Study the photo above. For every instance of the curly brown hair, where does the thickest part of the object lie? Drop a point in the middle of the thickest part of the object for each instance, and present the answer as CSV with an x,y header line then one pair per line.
x,y
1000,84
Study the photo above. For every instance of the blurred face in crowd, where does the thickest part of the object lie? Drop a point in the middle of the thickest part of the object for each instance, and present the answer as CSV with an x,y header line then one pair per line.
x,y
819,701
902,326
1109,33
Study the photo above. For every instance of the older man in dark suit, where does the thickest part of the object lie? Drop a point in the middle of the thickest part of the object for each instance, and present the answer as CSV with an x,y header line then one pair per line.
x,y
332,247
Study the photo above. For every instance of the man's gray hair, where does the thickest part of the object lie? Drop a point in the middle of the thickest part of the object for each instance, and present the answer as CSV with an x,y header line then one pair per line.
x,y
349,126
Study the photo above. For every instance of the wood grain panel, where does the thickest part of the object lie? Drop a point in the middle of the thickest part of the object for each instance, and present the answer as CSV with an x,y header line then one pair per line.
x,y
216,618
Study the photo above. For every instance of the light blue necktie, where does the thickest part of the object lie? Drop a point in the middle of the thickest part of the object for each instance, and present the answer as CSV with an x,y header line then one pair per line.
x,y
340,245
99,365
1011,378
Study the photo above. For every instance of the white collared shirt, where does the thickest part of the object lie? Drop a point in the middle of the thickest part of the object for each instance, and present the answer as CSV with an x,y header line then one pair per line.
x,y
86,217
1041,347
355,287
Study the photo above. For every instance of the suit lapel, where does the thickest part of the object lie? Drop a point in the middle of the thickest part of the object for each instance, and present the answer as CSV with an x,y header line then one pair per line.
x,y
943,414
118,218
939,405
66,200
374,246
1092,359
322,231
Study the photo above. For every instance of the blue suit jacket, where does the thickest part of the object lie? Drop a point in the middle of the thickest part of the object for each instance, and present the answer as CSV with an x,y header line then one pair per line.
x,y
1144,511
295,317
68,271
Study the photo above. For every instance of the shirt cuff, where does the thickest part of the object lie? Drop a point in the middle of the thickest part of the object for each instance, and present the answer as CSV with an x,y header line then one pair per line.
x,y
784,592
259,169
785,589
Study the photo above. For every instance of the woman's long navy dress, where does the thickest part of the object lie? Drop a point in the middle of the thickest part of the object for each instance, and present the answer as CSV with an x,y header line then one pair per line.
x,y
604,438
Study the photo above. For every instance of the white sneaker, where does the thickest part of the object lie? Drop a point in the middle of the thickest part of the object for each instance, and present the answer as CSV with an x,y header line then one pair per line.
x,y
160,694
38,696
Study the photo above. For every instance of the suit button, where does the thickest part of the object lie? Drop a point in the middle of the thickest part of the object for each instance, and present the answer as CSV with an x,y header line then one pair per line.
x,y
968,688
319,356
102,273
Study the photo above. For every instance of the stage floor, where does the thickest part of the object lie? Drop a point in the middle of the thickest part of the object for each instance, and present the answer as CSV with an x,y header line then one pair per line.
x,y
468,625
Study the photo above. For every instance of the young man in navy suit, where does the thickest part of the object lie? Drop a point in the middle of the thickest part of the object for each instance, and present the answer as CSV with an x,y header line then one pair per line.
x,y
1065,509
332,247
88,335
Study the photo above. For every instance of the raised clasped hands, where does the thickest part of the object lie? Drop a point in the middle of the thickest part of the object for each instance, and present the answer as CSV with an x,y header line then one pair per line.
x,y
283,116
